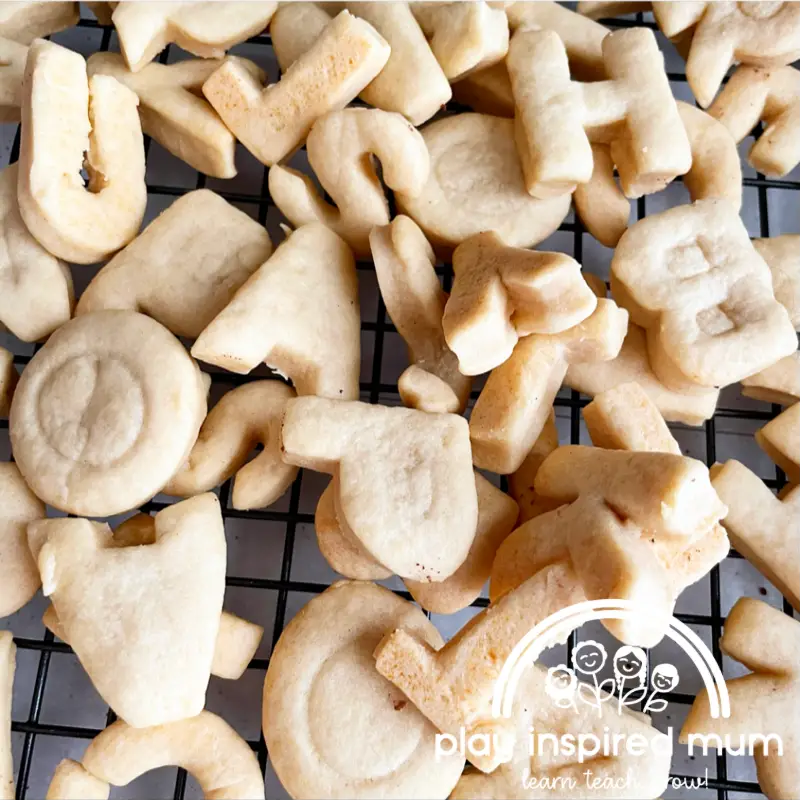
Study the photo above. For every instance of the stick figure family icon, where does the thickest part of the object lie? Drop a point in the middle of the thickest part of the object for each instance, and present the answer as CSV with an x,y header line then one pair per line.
x,y
567,686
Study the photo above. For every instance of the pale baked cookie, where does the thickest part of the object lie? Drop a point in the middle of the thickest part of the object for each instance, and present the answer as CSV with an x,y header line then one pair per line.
x,y
272,122
781,255
420,389
24,22
781,440
340,147
185,267
105,413
8,381
692,278
476,184
780,383
634,111
605,9
204,29
758,34
415,302
247,416
71,122
334,727
501,294
142,620
298,313
294,29
72,780
765,640
518,396
406,486
7,663
13,56
488,91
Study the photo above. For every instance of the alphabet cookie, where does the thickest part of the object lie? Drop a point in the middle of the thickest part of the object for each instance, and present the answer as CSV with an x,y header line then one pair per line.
x,y
328,646
475,184
272,122
142,620
420,389
7,663
487,91
13,56
501,294
340,147
519,394
634,111
247,416
766,641
105,413
298,313
419,517
780,383
185,267
24,22
294,29
781,440
692,278
70,122
781,255
71,779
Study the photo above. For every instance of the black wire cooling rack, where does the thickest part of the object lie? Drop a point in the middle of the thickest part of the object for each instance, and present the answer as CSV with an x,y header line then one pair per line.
x,y
32,729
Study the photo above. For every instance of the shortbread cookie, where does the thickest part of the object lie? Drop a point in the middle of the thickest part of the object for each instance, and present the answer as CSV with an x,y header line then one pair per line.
x,y
488,91
692,278
24,22
185,267
501,294
414,300
8,381
339,146
36,294
322,690
766,641
298,313
781,440
419,517
272,122
117,626
69,123
453,685
13,56
204,29
247,416
781,253
7,664
105,413
420,389
518,396
294,29
723,33
634,111
780,383
476,185
762,528
607,9
72,780
173,112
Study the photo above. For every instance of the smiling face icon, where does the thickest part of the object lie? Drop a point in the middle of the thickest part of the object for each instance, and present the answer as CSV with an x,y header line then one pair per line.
x,y
589,657
664,678
560,684
630,663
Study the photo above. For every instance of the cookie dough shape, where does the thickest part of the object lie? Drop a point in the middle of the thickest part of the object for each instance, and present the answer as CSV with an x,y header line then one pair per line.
x,y
36,294
340,147
476,184
782,257
298,313
70,122
247,416
692,278
780,439
24,22
143,621
7,664
406,486
780,383
105,413
13,56
307,718
765,640
272,122
185,267
202,28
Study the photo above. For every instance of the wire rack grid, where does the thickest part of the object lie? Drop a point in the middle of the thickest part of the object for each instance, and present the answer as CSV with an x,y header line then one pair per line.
x,y
282,584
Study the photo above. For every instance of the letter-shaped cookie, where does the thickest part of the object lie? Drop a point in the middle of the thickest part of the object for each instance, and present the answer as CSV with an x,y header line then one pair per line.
x,y
244,417
35,288
781,255
557,118
105,413
24,22
518,396
419,516
487,91
780,440
340,146
415,301
172,112
692,278
298,313
147,643
8,380
71,779
420,389
501,293
322,690
13,56
204,29
758,34
70,122
272,122
7,664
185,267
766,641
780,383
